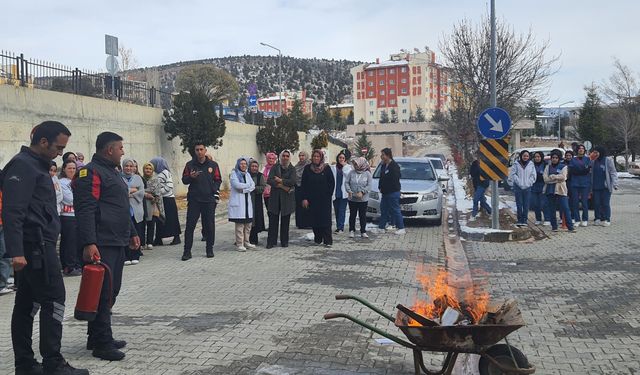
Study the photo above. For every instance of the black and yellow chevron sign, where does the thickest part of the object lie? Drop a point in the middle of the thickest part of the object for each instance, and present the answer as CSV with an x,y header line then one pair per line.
x,y
494,156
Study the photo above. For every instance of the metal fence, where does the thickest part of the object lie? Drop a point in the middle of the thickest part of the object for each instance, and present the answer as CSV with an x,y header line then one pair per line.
x,y
17,70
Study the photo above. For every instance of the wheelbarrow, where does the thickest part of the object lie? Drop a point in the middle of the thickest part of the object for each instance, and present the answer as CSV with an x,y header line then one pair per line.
x,y
478,339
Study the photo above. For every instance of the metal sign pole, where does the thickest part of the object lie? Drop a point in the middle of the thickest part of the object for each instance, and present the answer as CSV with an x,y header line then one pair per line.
x,y
495,204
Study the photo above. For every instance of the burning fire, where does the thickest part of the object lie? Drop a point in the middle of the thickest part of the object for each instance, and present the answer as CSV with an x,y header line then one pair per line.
x,y
435,282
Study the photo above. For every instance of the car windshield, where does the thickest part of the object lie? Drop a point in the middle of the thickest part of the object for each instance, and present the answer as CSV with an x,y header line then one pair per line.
x,y
411,170
437,163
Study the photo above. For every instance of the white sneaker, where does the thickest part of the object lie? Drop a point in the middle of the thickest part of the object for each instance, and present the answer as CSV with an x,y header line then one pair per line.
x,y
606,223
11,280
597,222
149,247
546,223
249,245
127,263
390,228
242,249
538,222
135,261
584,223
401,231
352,234
364,235
4,291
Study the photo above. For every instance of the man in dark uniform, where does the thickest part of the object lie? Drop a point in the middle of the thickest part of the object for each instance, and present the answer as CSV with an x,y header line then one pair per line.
x,y
101,204
31,229
203,177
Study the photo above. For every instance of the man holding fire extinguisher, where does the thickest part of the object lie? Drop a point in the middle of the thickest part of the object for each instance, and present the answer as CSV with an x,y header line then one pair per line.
x,y
105,229
31,229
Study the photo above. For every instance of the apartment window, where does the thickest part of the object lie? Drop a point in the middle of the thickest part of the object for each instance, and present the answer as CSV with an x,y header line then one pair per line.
x,y
370,83
382,102
382,92
370,113
382,82
404,80
371,103
381,72
370,93
404,111
392,102
404,101
392,81
404,91
370,73
392,92
404,120
392,71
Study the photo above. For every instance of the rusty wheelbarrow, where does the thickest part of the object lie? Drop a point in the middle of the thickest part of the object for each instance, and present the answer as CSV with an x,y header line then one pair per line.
x,y
479,339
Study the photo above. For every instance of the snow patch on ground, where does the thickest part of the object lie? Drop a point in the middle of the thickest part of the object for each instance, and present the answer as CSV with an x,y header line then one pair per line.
x,y
467,229
626,175
463,202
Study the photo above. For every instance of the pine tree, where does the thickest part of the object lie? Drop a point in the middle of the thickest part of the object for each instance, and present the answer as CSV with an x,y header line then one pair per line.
x,y
323,120
384,117
349,118
590,124
532,110
320,141
297,117
363,143
420,115
361,121
284,136
337,120
194,119
394,116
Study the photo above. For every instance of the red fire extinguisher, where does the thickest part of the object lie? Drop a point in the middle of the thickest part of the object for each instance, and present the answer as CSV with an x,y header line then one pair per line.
x,y
90,287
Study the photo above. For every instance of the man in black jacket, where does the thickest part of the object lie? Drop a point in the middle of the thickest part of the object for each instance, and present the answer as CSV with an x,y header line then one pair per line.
x,y
101,203
31,229
204,179
389,186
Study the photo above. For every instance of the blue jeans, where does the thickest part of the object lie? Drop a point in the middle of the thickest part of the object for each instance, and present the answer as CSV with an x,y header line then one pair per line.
x,y
5,265
390,210
580,194
479,199
602,204
539,203
340,207
522,203
559,202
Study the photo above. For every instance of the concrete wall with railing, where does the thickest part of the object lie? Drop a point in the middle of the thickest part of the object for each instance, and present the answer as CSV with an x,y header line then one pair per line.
x,y
21,108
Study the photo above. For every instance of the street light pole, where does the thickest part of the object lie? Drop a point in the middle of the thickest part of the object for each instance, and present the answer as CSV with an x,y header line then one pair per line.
x,y
560,118
495,204
279,75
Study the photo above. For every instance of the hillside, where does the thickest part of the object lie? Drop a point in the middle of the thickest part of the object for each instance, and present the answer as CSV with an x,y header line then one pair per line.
x,y
327,80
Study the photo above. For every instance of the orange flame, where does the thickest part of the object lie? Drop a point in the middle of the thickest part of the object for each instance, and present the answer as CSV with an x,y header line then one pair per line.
x,y
440,295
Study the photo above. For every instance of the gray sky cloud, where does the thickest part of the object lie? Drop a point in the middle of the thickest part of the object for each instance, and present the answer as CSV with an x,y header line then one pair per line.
x,y
585,33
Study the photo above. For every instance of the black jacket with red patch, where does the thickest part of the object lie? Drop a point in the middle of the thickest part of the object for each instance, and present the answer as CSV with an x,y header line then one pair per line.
x,y
203,187
101,204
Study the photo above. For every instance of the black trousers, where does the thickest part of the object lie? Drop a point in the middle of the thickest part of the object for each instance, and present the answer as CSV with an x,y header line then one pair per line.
x,y
99,330
39,290
70,251
272,238
194,211
359,208
148,232
322,235
253,236
134,254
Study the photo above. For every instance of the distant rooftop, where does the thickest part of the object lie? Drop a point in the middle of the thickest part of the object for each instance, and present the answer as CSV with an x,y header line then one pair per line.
x,y
389,63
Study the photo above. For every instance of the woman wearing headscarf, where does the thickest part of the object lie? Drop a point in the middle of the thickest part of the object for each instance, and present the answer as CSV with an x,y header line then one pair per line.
x,y
538,199
317,190
302,219
604,182
69,156
240,208
136,204
70,250
282,202
154,209
171,225
357,185
256,201
79,159
271,161
522,176
340,172
555,179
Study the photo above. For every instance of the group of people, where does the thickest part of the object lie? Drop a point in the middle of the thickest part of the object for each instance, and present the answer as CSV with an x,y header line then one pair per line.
x,y
563,184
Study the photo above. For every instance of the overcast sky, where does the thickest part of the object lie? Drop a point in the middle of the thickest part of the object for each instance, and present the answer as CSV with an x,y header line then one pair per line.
x,y
587,34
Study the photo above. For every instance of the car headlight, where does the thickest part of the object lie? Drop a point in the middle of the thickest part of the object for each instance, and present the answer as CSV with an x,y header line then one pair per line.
x,y
374,195
430,196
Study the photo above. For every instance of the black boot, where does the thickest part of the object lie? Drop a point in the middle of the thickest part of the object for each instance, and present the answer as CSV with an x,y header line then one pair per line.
x,y
186,255
119,344
176,240
108,353
35,369
66,369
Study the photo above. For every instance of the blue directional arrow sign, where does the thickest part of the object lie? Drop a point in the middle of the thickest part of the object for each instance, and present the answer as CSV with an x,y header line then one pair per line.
x,y
253,101
494,123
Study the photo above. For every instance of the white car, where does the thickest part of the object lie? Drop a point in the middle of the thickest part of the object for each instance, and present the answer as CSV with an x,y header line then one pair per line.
x,y
420,195
634,168
440,172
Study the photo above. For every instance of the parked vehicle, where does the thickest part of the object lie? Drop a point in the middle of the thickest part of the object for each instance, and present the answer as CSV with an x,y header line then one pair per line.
x,y
634,168
421,195
438,165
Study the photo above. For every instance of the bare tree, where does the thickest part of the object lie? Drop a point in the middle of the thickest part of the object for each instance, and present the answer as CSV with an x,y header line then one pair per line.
x,y
127,59
623,92
523,70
